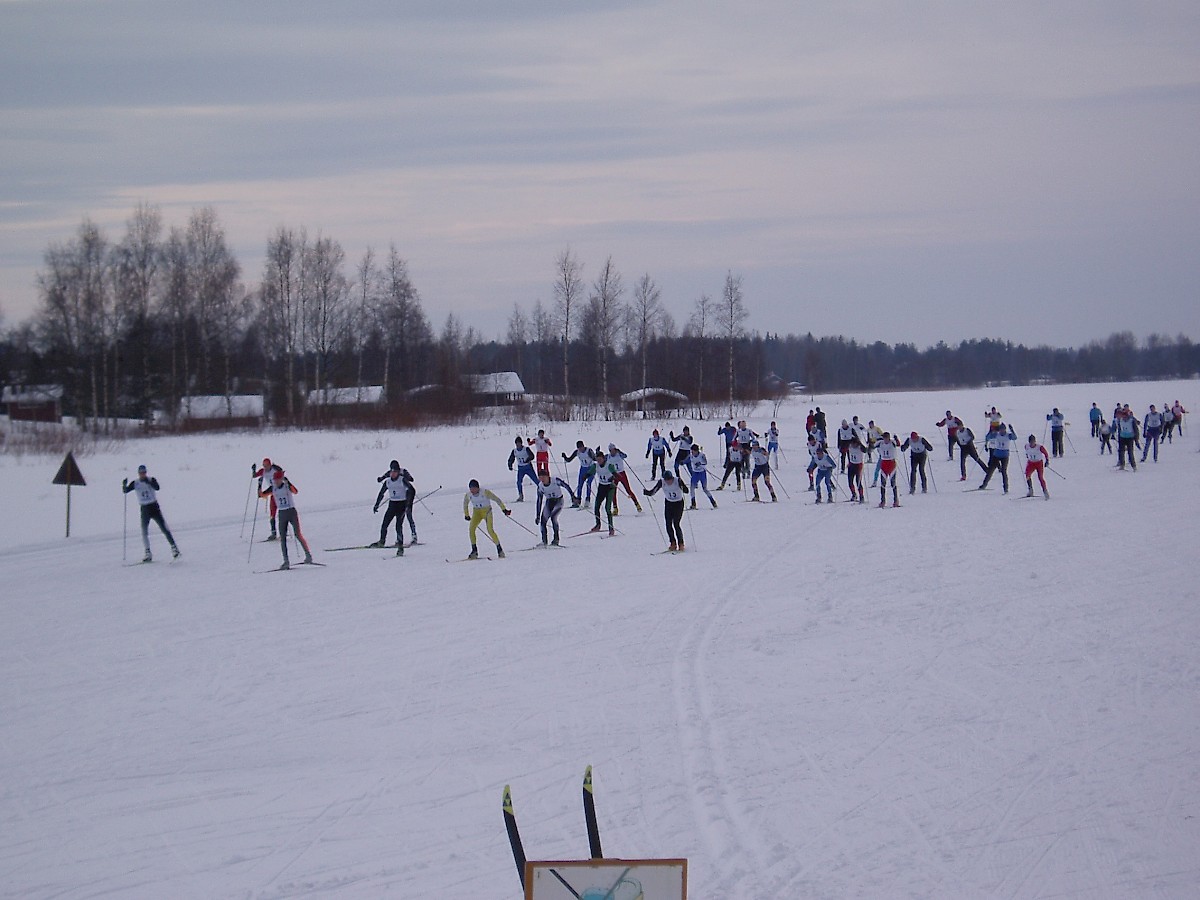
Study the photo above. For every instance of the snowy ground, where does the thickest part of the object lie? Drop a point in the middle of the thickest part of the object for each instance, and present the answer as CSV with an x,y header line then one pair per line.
x,y
971,696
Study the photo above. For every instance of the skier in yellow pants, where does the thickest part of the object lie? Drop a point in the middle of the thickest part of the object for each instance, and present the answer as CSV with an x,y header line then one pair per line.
x,y
477,508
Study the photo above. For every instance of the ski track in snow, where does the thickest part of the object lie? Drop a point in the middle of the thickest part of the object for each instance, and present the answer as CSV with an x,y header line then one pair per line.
x,y
964,697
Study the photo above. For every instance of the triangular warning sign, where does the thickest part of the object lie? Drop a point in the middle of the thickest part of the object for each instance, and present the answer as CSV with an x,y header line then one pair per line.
x,y
68,472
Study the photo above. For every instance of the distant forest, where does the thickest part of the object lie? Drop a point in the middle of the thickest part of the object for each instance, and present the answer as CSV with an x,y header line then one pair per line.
x,y
132,326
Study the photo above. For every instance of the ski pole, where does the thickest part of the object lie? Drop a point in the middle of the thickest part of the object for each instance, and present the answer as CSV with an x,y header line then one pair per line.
x,y
421,499
654,514
515,522
1067,435
929,464
253,525
1056,472
779,482
246,511
125,530
691,528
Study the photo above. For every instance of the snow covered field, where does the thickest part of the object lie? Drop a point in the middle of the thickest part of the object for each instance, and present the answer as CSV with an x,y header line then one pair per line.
x,y
970,696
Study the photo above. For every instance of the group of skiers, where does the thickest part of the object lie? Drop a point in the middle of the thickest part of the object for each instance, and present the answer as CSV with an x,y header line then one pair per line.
x,y
747,458
1156,427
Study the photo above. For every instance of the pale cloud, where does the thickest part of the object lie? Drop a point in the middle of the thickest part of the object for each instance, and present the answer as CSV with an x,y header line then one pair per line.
x,y
1028,163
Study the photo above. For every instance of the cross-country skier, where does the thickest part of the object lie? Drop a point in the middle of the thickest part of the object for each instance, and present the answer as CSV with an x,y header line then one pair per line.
x,y
762,467
826,465
587,469
1094,416
698,467
874,433
396,487
814,448
733,466
918,452
541,447
1168,417
967,450
1179,412
260,474
773,442
282,490
477,509
656,451
745,439
522,457
1056,420
854,466
605,490
822,428
729,432
1105,437
550,501
1127,437
616,458
1036,460
998,443
888,454
684,448
843,443
994,417
952,423
673,491
1151,430
147,490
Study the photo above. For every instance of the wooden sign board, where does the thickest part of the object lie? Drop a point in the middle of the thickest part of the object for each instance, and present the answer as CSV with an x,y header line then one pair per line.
x,y
607,879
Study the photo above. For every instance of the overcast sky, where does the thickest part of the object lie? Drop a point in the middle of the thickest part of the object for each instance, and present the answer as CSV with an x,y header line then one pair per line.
x,y
889,171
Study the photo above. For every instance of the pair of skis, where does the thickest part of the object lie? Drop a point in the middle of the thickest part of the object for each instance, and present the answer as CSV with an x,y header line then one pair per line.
x,y
589,815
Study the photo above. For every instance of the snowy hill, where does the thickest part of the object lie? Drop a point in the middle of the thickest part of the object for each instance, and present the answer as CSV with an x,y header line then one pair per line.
x,y
973,695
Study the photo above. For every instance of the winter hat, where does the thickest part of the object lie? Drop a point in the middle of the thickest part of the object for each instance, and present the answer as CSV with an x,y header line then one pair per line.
x,y
266,462
913,436
473,483
518,442
278,474
394,466
667,476
141,468
612,446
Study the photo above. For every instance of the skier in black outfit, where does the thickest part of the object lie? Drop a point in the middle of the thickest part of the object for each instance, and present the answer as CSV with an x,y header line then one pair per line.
x,y
966,450
918,452
396,485
673,492
147,493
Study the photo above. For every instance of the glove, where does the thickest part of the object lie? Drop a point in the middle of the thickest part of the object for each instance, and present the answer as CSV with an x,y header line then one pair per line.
x,y
537,520
510,468
646,492
466,518
564,456
647,454
124,483
375,508
508,512
253,469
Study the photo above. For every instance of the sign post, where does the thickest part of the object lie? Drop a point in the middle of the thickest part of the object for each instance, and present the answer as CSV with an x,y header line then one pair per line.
x,y
69,474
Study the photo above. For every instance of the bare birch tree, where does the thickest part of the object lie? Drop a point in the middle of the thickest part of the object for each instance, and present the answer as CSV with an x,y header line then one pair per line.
x,y
700,326
733,315
136,271
367,297
646,313
568,291
607,314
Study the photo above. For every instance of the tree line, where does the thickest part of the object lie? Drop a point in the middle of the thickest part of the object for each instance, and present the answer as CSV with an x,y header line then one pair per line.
x,y
142,324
